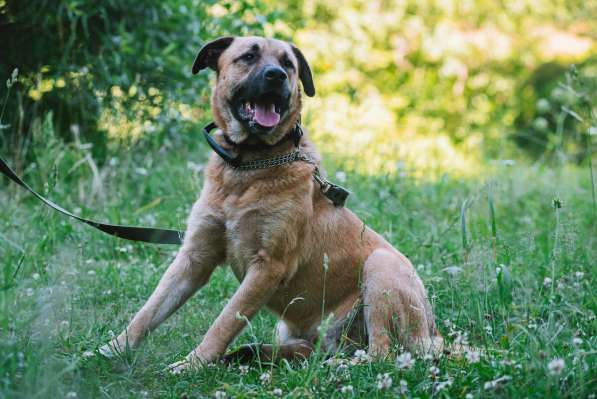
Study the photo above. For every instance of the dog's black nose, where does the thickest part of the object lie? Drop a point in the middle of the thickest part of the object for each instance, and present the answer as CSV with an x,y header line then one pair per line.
x,y
274,74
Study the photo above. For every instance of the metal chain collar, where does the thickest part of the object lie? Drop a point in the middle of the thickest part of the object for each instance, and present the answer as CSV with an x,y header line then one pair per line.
x,y
270,162
333,192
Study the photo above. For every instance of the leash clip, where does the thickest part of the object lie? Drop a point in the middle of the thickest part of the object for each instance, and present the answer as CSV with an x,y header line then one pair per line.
x,y
331,191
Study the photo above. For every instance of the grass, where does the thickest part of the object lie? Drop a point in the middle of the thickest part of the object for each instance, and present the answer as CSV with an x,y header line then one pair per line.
x,y
486,250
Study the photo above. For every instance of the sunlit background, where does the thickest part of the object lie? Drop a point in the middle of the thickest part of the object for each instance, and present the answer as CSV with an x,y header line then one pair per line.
x,y
420,87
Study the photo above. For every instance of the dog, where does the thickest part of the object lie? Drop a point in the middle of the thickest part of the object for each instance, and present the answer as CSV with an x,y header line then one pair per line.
x,y
309,261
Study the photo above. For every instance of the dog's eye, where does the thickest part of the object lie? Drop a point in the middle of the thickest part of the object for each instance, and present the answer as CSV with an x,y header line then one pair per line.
x,y
287,64
248,57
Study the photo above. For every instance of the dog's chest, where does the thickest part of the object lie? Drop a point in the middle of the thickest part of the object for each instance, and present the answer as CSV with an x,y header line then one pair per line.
x,y
263,226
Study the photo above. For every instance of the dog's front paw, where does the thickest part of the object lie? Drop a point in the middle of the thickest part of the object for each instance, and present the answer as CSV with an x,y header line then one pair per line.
x,y
111,350
179,367
114,348
106,351
193,361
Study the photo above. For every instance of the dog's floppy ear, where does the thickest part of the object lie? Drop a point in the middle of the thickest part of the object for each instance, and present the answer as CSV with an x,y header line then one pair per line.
x,y
209,54
304,72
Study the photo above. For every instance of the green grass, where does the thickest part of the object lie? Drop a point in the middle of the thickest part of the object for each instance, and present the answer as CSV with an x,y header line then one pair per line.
x,y
64,287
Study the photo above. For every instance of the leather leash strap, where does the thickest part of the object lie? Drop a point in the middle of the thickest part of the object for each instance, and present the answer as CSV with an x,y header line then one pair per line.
x,y
133,233
153,235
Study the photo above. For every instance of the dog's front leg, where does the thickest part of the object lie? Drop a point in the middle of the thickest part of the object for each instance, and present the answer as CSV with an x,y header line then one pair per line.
x,y
260,282
203,249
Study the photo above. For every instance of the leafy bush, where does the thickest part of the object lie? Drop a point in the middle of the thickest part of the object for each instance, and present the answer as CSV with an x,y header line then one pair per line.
x,y
94,64
438,86
557,114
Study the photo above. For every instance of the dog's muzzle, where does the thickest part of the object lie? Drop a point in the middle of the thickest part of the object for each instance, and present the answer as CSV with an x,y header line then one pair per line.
x,y
262,101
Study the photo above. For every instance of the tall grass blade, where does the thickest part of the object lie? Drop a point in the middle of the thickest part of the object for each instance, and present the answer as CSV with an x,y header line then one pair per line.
x,y
463,230
592,185
492,220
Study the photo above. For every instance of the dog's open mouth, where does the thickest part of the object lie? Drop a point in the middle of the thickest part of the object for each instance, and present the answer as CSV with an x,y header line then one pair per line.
x,y
263,113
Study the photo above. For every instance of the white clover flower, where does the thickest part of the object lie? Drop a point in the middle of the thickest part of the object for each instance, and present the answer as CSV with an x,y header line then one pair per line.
x,y
35,276
243,369
472,356
29,291
360,356
405,361
461,338
346,389
469,396
88,354
497,382
265,378
579,275
71,395
577,341
434,371
342,366
556,366
342,371
403,387
547,282
220,395
384,381
443,384
277,392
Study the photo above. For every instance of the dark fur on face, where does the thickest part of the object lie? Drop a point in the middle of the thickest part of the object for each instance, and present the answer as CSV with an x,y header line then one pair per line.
x,y
257,95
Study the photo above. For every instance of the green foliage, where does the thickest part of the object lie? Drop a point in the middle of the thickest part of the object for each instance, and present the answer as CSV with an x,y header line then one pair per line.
x,y
448,78
86,61
401,76
558,115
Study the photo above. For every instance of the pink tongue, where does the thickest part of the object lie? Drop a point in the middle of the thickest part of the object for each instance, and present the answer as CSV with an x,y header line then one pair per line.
x,y
266,115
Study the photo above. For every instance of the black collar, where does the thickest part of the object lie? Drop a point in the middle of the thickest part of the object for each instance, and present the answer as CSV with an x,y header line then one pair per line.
x,y
295,134
333,192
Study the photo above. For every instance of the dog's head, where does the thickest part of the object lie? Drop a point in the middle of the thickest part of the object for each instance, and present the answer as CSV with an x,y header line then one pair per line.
x,y
257,94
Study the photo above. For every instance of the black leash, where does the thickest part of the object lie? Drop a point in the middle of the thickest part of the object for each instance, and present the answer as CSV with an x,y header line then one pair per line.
x,y
334,193
134,233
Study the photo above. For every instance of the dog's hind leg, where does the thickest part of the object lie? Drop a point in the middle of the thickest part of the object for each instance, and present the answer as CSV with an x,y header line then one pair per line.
x,y
203,249
396,305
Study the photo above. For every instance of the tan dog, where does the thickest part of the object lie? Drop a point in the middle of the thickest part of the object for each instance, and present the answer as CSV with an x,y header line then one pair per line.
x,y
292,250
